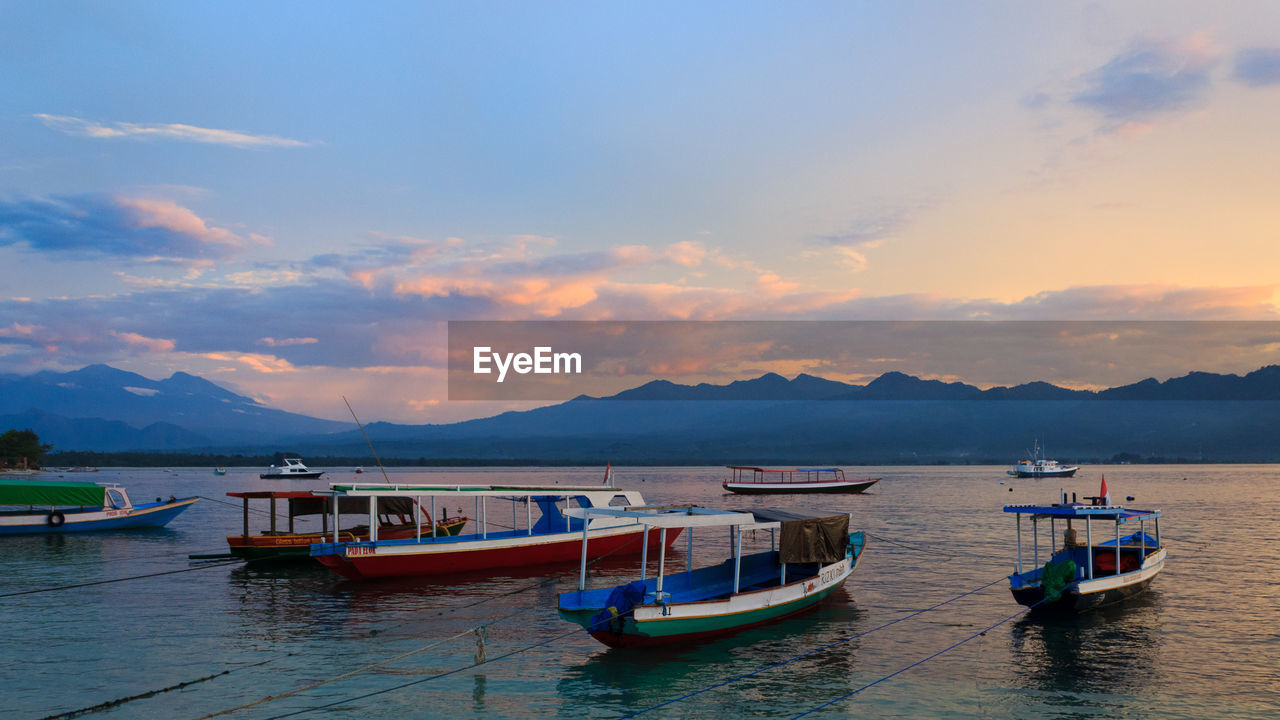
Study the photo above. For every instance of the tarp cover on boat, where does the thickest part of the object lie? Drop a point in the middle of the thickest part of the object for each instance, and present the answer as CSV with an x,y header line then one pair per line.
x,y
349,506
808,537
51,492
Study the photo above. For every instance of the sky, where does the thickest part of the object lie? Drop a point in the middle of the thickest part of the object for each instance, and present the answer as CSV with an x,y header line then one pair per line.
x,y
293,199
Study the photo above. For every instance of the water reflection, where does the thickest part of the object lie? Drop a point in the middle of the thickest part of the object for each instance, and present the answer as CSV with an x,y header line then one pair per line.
x,y
1112,649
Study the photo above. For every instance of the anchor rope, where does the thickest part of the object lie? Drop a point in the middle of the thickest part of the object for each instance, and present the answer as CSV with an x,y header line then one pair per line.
x,y
150,693
123,579
809,653
921,661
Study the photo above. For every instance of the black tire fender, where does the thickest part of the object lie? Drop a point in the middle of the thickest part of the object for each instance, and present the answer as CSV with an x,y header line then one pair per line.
x,y
55,519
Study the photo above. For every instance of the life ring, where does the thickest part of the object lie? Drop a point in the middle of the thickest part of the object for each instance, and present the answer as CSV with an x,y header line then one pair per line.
x,y
55,519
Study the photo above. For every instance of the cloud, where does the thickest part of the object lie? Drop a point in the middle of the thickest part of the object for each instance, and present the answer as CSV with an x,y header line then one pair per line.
x,y
1150,80
1258,67
163,131
286,342
154,345
103,225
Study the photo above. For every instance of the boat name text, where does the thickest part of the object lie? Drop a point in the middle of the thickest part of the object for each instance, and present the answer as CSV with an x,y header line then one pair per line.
x,y
542,362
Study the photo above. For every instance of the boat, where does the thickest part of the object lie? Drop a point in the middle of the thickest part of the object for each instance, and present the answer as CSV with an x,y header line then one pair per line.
x,y
82,469
359,470
1038,467
798,480
814,555
63,506
539,531
285,544
292,469
1080,576
219,471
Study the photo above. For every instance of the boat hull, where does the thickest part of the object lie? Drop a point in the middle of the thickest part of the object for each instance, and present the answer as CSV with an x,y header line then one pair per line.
x,y
1064,472
1086,595
148,515
297,546
369,561
290,476
752,488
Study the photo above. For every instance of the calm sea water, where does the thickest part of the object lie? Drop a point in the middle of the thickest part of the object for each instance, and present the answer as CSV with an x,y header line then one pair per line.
x,y
1204,642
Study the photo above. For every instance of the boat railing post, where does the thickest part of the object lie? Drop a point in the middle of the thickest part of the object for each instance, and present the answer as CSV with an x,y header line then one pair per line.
x,y
373,518
417,518
528,514
737,556
1018,526
336,503
1088,541
783,579
484,517
246,520
1158,546
1117,544
324,521
662,560
582,571
1142,537
644,551
273,515
435,530
1035,541
688,555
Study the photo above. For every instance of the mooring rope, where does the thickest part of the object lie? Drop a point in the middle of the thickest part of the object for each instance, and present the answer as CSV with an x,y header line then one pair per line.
x,y
123,579
810,652
921,661
150,693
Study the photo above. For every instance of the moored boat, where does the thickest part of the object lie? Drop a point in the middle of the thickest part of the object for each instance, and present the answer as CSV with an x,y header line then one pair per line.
x,y
539,531
749,480
1080,576
397,518
219,471
815,554
292,469
1040,467
63,506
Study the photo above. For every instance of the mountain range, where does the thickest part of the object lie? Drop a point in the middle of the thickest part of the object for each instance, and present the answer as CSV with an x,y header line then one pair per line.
x,y
896,418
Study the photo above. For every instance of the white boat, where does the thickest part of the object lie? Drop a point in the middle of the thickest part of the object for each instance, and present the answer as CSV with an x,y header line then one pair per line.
x,y
814,556
535,530
62,506
291,469
1080,576
1039,467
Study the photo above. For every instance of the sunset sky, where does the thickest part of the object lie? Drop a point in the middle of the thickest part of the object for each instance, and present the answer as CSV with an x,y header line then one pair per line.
x,y
291,199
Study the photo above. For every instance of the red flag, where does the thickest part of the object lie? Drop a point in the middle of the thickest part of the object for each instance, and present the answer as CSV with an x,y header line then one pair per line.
x,y
1106,495
608,470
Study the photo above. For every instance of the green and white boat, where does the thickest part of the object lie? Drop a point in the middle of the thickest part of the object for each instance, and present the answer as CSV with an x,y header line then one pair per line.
x,y
812,557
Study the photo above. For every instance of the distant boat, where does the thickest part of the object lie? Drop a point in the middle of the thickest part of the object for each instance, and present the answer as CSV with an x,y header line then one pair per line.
x,y
63,506
82,469
536,530
748,480
1039,467
359,470
1084,575
291,469
219,471
815,554
287,544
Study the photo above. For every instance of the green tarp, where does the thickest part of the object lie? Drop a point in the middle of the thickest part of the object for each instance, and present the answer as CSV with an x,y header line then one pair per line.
x,y
51,492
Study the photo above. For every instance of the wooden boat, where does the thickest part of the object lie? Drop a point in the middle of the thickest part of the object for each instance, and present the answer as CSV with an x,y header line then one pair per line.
x,y
1039,467
1081,576
286,544
799,480
539,531
292,469
814,556
63,506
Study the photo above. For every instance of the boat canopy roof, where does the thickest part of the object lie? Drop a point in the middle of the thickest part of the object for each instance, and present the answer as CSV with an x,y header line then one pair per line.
x,y
1073,510
306,502
464,490
780,470
51,492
